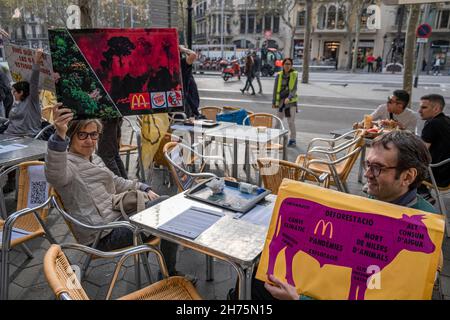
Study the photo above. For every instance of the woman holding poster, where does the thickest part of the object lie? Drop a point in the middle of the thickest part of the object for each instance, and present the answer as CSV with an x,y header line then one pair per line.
x,y
25,115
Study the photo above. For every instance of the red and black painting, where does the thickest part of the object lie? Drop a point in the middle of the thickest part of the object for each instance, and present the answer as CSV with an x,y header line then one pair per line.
x,y
138,68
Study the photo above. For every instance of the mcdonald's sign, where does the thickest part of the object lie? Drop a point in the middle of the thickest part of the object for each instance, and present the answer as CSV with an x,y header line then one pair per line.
x,y
140,101
324,228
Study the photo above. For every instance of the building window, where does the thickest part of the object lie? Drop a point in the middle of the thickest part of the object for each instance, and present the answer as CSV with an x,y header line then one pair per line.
x,y
445,14
301,19
321,17
268,22
276,24
331,20
228,24
259,23
214,24
251,24
342,13
242,23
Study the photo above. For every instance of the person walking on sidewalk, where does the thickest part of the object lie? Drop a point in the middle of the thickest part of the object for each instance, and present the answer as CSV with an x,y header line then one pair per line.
x,y
249,72
370,60
257,70
285,97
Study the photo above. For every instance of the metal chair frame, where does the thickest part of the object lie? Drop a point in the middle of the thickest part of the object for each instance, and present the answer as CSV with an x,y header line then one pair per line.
x,y
137,240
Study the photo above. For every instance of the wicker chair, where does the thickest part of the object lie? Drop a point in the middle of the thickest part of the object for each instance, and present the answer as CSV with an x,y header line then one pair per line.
x,y
175,154
137,240
273,171
337,162
66,286
210,112
28,222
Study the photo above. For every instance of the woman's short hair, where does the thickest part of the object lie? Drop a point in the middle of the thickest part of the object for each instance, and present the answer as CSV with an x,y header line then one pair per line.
x,y
411,153
77,125
22,86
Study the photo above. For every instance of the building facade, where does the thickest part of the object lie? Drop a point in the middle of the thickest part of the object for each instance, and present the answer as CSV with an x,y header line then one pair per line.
x,y
247,26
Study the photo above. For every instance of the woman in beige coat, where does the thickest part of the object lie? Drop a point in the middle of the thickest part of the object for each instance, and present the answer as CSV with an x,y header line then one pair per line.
x,y
87,186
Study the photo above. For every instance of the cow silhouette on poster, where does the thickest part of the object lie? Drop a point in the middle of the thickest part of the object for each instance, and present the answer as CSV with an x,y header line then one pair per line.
x,y
342,238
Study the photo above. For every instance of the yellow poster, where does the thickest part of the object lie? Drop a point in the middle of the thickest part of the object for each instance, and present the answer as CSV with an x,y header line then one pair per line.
x,y
332,245
153,129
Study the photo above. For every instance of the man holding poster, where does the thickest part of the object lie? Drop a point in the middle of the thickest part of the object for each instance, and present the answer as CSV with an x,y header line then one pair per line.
x,y
395,166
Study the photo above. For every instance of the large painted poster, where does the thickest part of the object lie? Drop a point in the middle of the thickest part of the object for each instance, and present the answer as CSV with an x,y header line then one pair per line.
x,y
20,61
332,245
108,71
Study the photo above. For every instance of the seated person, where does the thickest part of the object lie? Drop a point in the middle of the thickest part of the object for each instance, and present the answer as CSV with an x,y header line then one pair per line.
x,y
396,111
25,115
87,187
396,164
436,134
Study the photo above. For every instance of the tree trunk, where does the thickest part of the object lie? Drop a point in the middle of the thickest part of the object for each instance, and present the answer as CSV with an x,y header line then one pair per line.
x,y
306,42
359,10
410,46
86,13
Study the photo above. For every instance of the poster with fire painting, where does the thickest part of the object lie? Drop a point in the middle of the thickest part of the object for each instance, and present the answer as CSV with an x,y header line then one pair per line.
x,y
108,73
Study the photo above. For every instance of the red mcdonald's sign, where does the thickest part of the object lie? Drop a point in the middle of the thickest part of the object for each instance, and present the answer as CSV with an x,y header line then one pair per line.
x,y
140,101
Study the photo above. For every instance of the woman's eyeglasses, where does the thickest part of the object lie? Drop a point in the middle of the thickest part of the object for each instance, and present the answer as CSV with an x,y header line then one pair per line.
x,y
83,135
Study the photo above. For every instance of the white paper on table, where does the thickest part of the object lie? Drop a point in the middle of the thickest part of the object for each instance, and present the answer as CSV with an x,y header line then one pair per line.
x,y
38,190
260,214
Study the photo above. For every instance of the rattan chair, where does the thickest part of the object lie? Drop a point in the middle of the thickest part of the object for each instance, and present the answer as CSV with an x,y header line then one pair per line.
x,y
66,286
337,162
137,240
273,171
179,157
28,222
210,112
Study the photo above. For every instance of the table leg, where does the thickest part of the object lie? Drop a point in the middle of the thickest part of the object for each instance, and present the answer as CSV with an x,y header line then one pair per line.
x,y
361,163
209,268
247,160
248,283
235,159
285,142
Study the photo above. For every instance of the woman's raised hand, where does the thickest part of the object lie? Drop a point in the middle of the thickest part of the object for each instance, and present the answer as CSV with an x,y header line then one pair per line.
x,y
61,118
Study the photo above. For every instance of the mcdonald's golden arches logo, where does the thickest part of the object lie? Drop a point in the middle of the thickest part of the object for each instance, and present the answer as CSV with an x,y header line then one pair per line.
x,y
324,228
140,101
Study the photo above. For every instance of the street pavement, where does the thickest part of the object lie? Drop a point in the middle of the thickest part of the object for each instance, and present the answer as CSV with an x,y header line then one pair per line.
x,y
323,107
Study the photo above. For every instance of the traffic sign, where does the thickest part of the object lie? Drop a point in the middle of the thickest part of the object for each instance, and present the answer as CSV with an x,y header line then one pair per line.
x,y
422,40
424,31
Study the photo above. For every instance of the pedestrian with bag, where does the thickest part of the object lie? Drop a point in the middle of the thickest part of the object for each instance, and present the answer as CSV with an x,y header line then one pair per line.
x,y
285,97
257,70
90,192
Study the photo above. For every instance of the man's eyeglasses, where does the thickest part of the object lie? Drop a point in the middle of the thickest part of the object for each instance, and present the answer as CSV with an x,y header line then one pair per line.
x,y
83,135
375,169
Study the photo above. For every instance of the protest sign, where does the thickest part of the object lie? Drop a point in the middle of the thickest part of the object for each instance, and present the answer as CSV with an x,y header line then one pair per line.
x,y
20,61
332,245
106,73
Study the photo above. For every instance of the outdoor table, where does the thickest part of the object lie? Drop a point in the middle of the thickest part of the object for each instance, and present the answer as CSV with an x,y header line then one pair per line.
x,y
248,134
196,131
235,238
14,150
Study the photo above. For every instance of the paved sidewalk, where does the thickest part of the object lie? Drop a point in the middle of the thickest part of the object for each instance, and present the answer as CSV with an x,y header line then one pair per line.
x,y
28,280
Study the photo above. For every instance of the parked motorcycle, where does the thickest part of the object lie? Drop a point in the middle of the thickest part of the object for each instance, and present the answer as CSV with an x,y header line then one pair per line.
x,y
230,69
